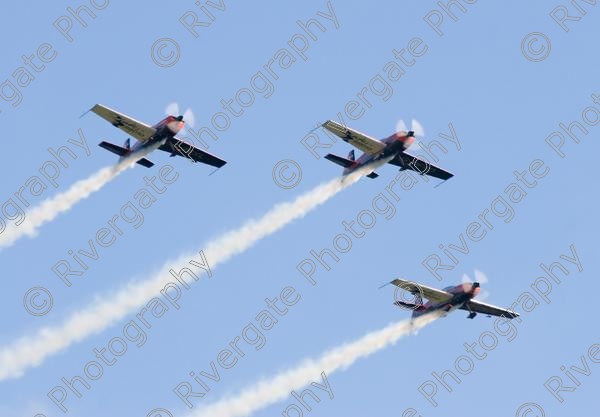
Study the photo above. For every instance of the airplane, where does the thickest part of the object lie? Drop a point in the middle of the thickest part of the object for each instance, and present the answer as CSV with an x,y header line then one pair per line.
x,y
374,150
447,300
162,134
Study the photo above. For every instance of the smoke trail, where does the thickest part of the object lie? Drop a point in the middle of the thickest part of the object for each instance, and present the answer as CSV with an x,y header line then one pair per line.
x,y
49,209
271,390
30,351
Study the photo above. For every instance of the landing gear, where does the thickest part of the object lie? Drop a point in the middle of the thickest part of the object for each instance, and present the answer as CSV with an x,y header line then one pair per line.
x,y
472,314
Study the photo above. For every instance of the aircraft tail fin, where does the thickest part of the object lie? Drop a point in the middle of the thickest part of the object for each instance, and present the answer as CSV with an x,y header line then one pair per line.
x,y
127,144
351,155
122,152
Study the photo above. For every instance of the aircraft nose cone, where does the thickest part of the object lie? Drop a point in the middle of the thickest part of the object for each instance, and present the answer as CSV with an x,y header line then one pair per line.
x,y
180,118
410,133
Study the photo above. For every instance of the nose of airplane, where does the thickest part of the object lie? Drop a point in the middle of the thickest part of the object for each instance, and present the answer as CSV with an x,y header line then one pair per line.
x,y
407,138
176,124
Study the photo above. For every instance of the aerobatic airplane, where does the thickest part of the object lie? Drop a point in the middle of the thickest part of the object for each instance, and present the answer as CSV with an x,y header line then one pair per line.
x,y
447,300
162,133
393,146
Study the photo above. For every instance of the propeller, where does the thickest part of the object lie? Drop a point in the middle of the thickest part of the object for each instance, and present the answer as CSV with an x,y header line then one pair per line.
x,y
188,115
417,128
481,278
401,126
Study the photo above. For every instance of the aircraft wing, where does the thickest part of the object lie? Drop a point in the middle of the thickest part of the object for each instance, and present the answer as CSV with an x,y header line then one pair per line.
x,y
178,147
138,130
359,140
483,308
430,293
407,161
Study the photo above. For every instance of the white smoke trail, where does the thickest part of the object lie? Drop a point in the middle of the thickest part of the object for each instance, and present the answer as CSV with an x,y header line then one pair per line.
x,y
278,387
30,351
51,208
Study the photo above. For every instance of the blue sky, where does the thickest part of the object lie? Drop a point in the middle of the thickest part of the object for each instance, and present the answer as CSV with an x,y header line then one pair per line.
x,y
474,77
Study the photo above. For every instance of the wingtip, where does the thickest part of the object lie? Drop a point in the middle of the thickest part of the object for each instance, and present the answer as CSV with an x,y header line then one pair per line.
x,y
444,181
511,314
87,111
384,285
318,126
218,168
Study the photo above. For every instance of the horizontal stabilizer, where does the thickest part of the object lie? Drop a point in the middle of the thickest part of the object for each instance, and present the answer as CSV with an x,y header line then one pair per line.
x,y
410,306
123,152
145,162
339,160
116,149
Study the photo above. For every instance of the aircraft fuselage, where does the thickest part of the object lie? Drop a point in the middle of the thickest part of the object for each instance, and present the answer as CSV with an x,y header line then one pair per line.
x,y
165,129
461,294
395,144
